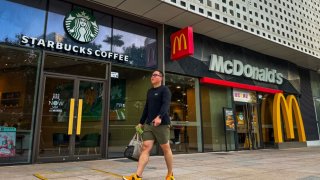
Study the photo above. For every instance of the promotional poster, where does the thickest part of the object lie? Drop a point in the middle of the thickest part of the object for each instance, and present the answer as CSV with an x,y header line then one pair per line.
x,y
7,141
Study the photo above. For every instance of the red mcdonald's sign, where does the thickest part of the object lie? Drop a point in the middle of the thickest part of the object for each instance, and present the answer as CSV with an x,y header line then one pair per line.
x,y
182,43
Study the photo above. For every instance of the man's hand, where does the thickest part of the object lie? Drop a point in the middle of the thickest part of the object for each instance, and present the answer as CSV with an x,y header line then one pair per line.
x,y
139,125
156,121
139,128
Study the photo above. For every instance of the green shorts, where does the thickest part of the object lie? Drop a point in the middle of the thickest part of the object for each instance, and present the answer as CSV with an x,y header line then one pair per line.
x,y
160,133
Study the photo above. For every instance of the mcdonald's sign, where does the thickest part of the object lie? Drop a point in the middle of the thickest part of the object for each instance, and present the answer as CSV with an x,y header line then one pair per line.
x,y
182,43
289,106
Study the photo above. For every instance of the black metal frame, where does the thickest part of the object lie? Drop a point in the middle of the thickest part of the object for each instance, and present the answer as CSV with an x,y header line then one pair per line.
x,y
104,130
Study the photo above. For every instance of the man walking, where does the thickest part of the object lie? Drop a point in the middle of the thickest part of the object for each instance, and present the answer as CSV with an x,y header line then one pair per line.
x,y
156,122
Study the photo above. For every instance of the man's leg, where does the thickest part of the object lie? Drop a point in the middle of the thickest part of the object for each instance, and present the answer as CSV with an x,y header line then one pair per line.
x,y
167,156
144,157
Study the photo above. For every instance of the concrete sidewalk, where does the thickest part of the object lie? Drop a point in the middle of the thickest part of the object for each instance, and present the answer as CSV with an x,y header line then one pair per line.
x,y
301,163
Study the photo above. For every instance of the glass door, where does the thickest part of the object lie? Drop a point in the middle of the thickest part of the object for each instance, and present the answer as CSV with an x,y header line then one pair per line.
x,y
254,126
242,126
90,120
248,134
71,118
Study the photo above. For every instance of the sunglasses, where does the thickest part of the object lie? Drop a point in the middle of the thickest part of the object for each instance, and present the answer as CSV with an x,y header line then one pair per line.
x,y
155,75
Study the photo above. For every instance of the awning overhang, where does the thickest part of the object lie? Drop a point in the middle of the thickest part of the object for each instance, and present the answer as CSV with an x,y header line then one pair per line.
x,y
219,82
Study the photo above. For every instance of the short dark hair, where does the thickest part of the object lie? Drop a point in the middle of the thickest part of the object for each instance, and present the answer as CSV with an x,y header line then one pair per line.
x,y
161,73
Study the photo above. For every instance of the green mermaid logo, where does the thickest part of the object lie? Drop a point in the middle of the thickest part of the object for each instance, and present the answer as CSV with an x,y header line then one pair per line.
x,y
81,25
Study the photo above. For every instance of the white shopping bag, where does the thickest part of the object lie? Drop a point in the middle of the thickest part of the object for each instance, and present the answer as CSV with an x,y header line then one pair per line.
x,y
133,150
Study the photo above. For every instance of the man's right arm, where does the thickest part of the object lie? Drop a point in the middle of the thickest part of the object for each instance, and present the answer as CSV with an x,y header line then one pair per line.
x,y
145,112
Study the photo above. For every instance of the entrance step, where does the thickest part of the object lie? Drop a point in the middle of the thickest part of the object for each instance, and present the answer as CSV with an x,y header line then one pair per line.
x,y
288,145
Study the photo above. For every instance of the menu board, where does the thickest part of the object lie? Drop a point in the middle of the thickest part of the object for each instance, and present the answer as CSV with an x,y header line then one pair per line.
x,y
229,119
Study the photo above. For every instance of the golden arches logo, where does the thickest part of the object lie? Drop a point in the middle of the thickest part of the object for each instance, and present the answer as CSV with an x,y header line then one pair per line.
x,y
289,109
273,107
179,39
288,106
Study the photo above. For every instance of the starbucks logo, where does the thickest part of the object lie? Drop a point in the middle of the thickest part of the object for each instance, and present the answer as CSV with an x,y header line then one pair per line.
x,y
81,25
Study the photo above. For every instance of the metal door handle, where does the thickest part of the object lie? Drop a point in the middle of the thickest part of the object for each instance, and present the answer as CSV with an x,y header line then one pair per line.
x,y
71,115
79,116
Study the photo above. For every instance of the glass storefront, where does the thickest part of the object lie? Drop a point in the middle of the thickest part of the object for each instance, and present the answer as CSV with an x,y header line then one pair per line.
x,y
72,119
185,114
127,99
15,21
213,100
72,113
266,101
317,109
18,83
137,41
315,84
76,119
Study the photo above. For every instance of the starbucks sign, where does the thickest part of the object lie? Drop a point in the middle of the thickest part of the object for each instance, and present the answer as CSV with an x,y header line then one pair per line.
x,y
81,25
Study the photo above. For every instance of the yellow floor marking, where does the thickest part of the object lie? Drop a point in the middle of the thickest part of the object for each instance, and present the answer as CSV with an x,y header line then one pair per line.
x,y
113,174
40,176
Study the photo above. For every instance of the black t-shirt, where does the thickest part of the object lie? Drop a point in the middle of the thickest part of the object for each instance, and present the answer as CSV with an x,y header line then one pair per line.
x,y
158,103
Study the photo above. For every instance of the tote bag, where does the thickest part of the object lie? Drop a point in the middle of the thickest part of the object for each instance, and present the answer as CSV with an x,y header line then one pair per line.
x,y
133,150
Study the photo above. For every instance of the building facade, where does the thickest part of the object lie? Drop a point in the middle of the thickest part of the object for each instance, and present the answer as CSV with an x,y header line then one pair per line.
x,y
74,75
73,78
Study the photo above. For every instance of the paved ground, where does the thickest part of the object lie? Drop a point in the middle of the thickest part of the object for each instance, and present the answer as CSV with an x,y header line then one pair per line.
x,y
301,163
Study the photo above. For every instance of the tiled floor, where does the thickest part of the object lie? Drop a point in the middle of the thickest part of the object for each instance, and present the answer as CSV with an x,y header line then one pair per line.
x,y
301,163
